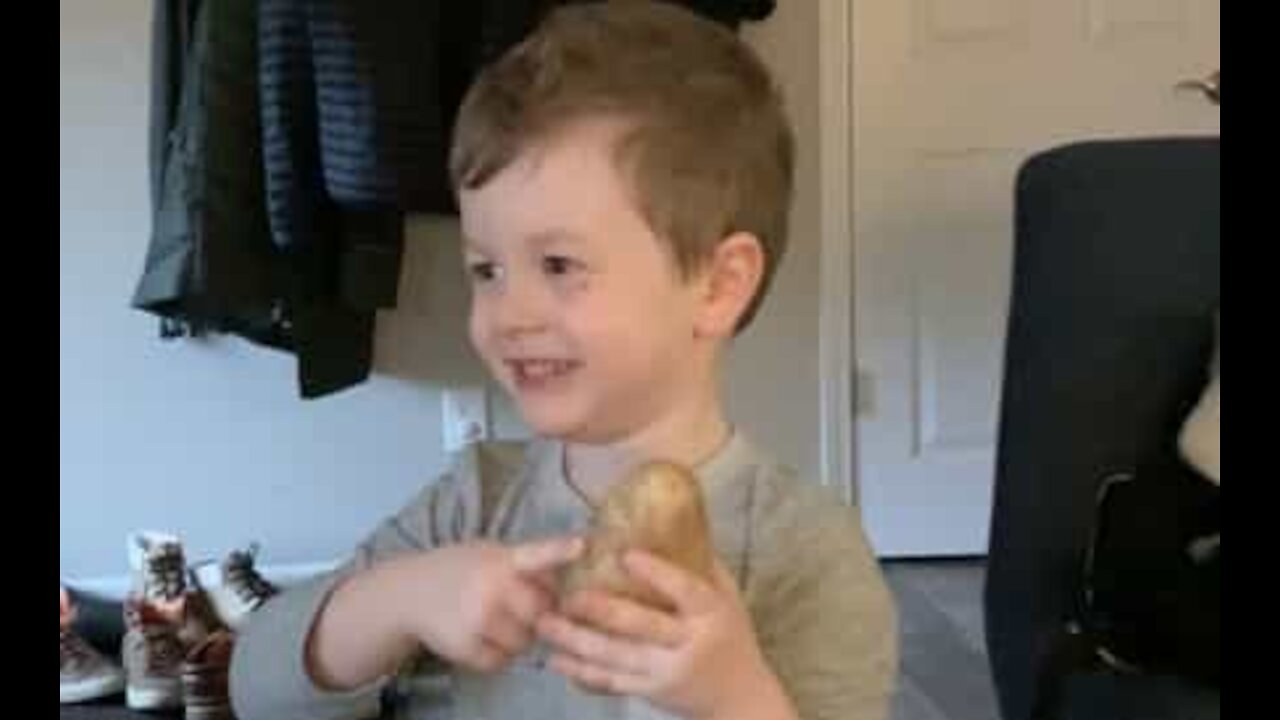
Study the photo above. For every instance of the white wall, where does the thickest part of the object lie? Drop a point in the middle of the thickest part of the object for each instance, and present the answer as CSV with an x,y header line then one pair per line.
x,y
209,439
773,370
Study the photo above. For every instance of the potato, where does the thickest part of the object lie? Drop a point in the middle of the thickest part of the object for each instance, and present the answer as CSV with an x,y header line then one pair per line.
x,y
659,508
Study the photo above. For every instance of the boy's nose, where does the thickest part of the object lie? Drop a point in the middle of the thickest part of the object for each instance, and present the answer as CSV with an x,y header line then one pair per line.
x,y
518,311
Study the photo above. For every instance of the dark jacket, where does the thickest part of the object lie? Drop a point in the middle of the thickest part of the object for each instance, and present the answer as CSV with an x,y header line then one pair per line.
x,y
211,265
288,139
731,12
358,104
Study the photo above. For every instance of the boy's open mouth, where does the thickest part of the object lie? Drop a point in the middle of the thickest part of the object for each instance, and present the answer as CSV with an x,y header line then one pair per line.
x,y
537,373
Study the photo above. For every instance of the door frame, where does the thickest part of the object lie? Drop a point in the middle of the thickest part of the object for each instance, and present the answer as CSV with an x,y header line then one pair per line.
x,y
837,365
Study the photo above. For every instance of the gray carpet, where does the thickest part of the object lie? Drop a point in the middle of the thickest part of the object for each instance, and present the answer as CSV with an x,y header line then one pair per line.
x,y
944,674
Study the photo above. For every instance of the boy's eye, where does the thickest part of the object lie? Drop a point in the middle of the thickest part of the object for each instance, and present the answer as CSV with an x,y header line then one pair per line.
x,y
559,265
482,271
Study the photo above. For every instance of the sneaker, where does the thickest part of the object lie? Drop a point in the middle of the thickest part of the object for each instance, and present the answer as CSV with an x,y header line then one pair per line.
x,y
160,577
84,673
233,586
153,656
197,619
158,565
204,678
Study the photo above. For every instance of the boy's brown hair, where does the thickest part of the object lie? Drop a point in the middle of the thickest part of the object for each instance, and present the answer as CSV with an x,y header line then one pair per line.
x,y
706,149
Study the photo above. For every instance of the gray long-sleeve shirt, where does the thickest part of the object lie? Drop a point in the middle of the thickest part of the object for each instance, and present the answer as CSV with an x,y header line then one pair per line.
x,y
818,602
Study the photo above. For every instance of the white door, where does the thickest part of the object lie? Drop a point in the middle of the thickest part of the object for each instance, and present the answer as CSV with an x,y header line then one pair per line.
x,y
949,97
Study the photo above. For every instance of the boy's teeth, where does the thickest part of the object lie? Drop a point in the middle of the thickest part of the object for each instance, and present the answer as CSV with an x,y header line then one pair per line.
x,y
538,369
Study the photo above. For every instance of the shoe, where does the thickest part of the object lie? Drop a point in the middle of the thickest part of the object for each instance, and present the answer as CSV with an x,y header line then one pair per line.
x,y
160,577
84,673
204,678
234,588
153,655
158,566
197,618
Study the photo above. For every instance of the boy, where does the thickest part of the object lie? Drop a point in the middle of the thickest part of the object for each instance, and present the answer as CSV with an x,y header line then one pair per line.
x,y
624,177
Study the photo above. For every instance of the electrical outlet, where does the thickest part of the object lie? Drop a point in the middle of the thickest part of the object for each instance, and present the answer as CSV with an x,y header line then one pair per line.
x,y
466,417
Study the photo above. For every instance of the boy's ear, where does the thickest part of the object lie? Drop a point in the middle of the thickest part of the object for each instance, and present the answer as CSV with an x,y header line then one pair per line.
x,y
730,279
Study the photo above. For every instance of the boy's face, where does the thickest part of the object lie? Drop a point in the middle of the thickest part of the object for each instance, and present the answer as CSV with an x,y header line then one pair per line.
x,y
577,307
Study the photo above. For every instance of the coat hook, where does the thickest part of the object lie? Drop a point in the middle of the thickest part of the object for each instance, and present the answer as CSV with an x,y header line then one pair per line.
x,y
1211,86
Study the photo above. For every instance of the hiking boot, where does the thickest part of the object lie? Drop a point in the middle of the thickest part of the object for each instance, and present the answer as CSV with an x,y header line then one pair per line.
x,y
158,566
153,656
83,672
204,678
234,588
161,577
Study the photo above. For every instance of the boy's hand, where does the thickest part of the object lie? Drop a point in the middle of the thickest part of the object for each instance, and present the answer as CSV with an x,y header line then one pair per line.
x,y
701,662
479,602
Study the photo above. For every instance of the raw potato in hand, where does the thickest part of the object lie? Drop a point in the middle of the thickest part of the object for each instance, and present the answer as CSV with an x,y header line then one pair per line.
x,y
657,508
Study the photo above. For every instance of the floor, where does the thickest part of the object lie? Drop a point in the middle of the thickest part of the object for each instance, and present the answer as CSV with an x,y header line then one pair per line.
x,y
945,674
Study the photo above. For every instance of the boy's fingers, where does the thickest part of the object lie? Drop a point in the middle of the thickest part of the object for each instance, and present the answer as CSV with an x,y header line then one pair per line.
x,y
528,601
596,648
544,581
487,658
724,579
598,679
626,619
687,592
537,557
507,634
